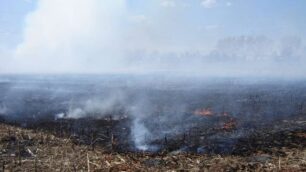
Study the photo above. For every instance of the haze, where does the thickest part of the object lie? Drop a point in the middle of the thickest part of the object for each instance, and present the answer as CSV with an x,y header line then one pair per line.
x,y
197,37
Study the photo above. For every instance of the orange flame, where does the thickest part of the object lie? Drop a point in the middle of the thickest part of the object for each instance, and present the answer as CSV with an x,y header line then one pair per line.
x,y
229,125
204,112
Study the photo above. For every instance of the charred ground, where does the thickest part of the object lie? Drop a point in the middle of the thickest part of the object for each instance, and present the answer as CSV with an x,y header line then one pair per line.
x,y
154,123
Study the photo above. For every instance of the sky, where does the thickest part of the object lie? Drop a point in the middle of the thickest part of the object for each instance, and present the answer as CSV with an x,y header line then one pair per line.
x,y
211,36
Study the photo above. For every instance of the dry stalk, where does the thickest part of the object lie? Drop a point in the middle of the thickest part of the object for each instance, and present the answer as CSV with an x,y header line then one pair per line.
x,y
88,164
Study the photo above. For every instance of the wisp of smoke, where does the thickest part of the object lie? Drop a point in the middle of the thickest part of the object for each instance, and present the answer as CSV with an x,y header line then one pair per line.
x,y
3,110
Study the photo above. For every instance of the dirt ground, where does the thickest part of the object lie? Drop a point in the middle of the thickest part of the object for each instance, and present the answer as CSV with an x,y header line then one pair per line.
x,y
29,150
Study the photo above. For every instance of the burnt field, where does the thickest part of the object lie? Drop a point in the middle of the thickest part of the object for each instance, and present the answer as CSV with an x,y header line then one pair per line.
x,y
150,118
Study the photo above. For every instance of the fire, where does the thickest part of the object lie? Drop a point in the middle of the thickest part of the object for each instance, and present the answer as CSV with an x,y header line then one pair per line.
x,y
224,120
231,124
204,112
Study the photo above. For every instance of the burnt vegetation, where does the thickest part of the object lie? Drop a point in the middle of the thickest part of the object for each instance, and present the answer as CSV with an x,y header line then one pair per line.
x,y
192,125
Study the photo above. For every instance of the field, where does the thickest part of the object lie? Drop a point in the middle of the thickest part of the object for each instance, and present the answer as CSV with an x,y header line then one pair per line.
x,y
31,150
91,123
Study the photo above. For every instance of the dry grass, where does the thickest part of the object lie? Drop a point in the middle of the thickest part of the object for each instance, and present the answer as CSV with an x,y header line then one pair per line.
x,y
28,150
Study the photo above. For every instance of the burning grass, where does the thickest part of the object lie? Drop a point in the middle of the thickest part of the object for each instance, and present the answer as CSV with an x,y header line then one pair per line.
x,y
204,112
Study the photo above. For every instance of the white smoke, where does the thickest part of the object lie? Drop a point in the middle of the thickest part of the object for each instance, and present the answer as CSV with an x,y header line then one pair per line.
x,y
71,35
60,116
93,36
98,107
3,110
139,134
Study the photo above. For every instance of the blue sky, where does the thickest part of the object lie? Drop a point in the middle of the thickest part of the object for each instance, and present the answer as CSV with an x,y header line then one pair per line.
x,y
258,17
12,16
75,30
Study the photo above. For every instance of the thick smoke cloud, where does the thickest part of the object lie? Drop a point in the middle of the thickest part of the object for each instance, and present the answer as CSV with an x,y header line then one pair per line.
x,y
71,36
110,37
